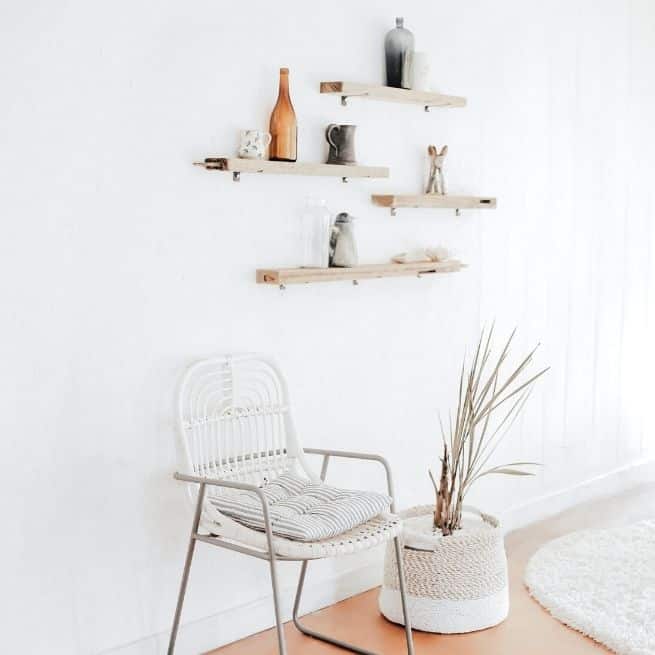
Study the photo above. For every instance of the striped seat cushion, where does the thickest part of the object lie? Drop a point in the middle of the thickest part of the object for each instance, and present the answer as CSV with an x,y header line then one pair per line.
x,y
303,510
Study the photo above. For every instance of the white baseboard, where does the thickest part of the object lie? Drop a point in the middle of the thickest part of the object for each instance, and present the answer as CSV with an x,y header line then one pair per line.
x,y
608,484
238,622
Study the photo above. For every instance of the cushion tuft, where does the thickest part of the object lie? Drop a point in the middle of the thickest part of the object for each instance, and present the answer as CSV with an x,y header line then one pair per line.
x,y
303,510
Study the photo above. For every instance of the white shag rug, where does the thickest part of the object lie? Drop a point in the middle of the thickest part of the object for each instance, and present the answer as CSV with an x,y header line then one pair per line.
x,y
602,583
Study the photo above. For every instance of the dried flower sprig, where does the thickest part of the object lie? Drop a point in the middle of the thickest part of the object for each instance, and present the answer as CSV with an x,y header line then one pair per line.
x,y
471,441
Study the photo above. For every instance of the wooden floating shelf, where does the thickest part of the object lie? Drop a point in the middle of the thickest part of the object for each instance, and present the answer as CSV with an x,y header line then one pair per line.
x,y
433,201
391,94
283,276
237,166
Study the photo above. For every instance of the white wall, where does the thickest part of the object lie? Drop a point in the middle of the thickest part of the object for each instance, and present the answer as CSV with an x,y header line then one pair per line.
x,y
121,263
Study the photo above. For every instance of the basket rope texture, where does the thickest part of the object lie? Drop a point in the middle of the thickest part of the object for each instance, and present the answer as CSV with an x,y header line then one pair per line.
x,y
467,565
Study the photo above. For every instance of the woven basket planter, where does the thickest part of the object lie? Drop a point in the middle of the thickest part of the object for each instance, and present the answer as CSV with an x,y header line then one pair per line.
x,y
456,583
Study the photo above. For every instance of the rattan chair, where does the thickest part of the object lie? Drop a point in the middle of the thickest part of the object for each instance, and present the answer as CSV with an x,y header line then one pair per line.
x,y
237,433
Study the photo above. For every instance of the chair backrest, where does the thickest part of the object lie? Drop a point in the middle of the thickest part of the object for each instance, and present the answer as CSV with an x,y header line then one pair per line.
x,y
234,420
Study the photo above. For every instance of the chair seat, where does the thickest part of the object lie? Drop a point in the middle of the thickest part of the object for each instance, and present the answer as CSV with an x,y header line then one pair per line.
x,y
378,530
301,509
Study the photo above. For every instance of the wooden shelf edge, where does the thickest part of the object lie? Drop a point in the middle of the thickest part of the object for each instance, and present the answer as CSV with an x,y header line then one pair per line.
x,y
433,201
237,166
426,99
284,276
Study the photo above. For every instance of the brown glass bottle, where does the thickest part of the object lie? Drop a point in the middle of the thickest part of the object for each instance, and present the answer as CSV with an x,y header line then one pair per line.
x,y
283,126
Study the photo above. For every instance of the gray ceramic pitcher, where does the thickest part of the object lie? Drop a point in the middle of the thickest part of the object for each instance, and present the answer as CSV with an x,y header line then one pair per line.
x,y
341,139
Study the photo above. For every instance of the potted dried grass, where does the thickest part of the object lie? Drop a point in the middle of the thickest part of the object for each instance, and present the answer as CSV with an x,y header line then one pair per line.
x,y
454,555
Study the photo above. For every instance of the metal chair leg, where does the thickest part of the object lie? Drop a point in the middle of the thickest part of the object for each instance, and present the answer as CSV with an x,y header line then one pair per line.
x,y
272,560
317,635
337,642
187,567
281,642
403,595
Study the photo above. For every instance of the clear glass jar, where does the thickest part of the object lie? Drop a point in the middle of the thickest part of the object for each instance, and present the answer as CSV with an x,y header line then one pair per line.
x,y
315,226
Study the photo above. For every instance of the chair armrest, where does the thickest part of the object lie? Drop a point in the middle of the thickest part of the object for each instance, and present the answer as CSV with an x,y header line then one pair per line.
x,y
346,454
229,484
217,482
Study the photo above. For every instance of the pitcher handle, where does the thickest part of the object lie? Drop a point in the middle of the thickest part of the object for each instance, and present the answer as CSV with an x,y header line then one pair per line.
x,y
328,135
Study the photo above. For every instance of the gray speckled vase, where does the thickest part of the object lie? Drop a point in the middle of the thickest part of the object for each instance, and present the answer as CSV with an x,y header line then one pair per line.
x,y
399,53
343,248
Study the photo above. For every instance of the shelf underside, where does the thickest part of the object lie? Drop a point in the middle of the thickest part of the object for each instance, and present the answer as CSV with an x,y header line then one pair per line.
x,y
426,99
237,166
284,276
434,201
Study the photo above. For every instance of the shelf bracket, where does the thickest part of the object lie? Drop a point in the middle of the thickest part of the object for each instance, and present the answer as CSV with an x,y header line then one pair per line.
x,y
344,180
282,287
236,176
393,211
458,212
355,283
427,108
344,101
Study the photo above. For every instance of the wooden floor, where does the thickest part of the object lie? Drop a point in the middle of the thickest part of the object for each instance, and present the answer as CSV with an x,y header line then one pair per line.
x,y
529,630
